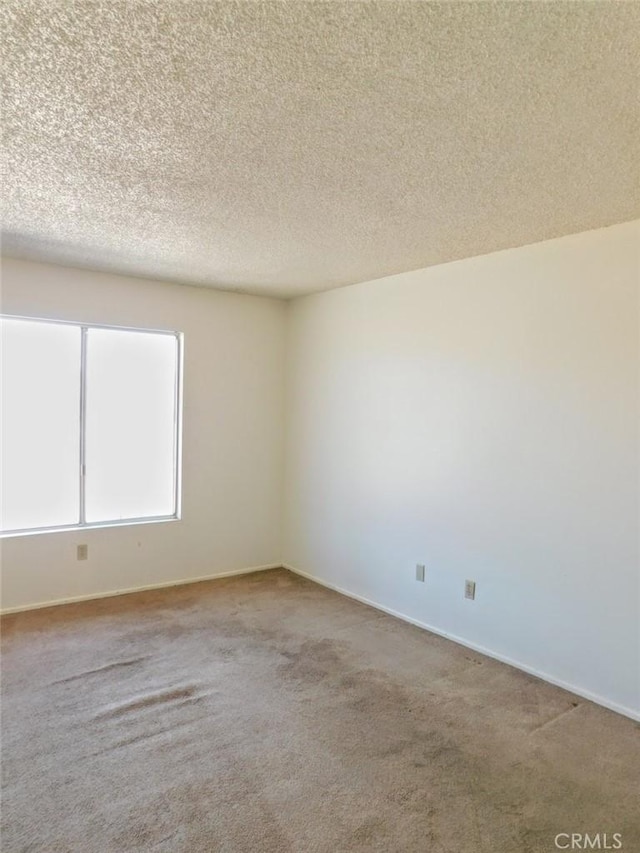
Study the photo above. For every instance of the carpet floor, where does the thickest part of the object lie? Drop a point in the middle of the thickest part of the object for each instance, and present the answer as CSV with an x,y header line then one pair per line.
x,y
266,714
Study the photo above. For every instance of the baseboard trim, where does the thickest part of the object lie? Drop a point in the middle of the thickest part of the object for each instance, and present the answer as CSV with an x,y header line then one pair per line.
x,y
571,688
95,595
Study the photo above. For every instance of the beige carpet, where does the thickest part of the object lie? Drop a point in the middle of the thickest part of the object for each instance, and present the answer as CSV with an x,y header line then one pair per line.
x,y
265,713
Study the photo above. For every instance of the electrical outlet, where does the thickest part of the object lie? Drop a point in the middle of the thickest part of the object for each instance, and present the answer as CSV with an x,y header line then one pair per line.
x,y
470,589
83,552
420,573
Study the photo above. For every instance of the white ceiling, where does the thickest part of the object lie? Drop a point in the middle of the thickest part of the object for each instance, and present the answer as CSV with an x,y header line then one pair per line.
x,y
288,147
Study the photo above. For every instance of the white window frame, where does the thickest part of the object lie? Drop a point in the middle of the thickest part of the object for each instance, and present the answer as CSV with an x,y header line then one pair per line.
x,y
83,524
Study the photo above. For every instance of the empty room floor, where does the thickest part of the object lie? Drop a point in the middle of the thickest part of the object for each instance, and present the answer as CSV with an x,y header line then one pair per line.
x,y
266,713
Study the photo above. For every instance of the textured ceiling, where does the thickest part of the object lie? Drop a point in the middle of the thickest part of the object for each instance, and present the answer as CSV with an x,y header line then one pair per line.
x,y
287,147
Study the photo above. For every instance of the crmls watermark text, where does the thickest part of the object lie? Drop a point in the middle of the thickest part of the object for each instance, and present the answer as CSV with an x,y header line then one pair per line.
x,y
585,841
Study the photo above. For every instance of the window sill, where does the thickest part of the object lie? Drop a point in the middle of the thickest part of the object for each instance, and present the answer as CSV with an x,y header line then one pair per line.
x,y
98,525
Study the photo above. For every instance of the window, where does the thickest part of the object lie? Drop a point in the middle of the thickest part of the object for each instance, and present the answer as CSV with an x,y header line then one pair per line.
x,y
90,425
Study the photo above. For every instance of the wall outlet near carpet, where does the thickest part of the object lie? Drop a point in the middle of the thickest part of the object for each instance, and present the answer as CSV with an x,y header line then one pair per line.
x,y
83,552
470,589
420,572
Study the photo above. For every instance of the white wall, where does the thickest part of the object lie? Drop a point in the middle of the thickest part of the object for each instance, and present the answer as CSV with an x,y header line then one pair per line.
x,y
232,437
480,417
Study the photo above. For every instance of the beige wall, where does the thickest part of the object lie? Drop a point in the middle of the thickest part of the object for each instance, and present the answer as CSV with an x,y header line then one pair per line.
x,y
480,417
232,437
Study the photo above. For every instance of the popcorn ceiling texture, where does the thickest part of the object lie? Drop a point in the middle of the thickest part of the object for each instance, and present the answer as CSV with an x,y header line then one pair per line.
x,y
288,147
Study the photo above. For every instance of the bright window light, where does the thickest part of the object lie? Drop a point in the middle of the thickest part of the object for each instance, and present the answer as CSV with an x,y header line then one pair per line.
x,y
40,424
130,437
90,425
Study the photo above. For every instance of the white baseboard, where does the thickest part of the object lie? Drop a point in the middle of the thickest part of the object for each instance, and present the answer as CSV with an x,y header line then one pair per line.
x,y
572,688
94,595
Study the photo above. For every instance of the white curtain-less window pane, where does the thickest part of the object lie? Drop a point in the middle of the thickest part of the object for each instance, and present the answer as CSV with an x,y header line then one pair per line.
x,y
40,424
130,425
